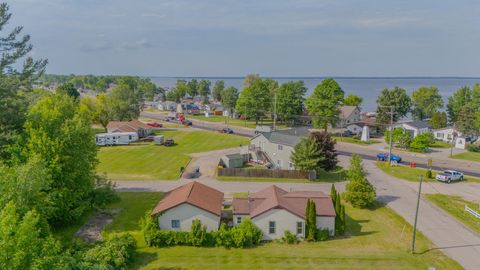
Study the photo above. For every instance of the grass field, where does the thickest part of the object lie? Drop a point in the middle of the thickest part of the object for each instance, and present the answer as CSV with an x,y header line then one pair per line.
x,y
146,161
455,206
471,156
412,174
440,144
354,140
328,177
376,239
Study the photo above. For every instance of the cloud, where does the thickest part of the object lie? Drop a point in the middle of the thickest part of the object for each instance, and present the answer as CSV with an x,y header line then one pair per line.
x,y
96,47
386,22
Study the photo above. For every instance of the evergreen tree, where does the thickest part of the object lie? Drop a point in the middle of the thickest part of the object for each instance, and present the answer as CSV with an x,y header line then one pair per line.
x,y
307,220
68,89
333,193
338,219
306,155
218,88
342,220
359,191
312,217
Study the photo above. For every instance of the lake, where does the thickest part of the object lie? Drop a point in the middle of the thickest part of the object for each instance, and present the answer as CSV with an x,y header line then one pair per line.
x,y
368,88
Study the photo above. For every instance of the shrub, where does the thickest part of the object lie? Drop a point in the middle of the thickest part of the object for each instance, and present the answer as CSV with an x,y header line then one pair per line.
x,y
289,238
198,233
246,234
322,235
429,174
117,252
103,192
422,142
473,148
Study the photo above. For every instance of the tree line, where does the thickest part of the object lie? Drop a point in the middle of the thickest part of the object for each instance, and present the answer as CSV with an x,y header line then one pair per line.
x,y
48,165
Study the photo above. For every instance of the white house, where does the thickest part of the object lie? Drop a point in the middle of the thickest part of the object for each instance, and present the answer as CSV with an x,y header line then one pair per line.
x,y
348,115
276,146
181,206
415,127
446,134
118,138
167,106
140,128
274,210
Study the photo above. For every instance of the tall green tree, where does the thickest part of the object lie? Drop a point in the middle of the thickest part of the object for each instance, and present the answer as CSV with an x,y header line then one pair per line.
x,y
438,120
290,98
467,120
192,88
249,79
323,104
397,98
333,193
229,98
426,101
306,156
457,101
15,79
218,89
311,220
68,89
326,146
401,137
359,191
204,89
352,100
255,101
125,102
61,136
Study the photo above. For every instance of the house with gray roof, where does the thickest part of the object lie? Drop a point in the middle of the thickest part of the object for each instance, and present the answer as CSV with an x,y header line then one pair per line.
x,y
276,147
415,127
348,115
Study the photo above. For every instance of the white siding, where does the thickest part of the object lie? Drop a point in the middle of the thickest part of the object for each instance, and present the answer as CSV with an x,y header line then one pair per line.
x,y
326,223
187,213
284,220
280,158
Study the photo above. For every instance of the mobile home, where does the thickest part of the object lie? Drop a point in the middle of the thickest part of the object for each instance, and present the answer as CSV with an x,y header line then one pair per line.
x,y
117,138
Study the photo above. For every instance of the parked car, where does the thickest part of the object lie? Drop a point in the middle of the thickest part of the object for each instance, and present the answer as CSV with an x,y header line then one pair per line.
x,y
180,117
186,122
154,124
449,175
169,118
226,130
169,142
384,157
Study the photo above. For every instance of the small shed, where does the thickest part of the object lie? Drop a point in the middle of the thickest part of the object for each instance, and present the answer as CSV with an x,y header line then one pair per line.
x,y
233,161
158,139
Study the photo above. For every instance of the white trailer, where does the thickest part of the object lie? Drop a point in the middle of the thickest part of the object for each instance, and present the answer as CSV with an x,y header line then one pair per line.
x,y
115,138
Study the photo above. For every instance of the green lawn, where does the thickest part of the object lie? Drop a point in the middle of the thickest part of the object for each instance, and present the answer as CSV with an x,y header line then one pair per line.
x,y
328,177
412,174
440,144
233,122
455,206
146,161
354,140
471,156
376,239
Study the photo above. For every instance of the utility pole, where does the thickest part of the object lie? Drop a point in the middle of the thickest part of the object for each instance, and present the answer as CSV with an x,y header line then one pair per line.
x,y
416,215
391,133
275,112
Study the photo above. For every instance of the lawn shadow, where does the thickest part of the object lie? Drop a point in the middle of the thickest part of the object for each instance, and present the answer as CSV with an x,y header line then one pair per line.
x,y
354,227
144,258
443,248
383,200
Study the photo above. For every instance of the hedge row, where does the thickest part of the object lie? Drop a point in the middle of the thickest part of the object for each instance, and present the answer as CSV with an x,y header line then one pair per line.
x,y
243,236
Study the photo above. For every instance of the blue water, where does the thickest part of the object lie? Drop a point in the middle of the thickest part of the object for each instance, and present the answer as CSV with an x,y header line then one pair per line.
x,y
368,88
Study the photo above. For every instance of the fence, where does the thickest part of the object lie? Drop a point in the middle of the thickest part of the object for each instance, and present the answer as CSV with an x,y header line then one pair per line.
x,y
242,172
471,211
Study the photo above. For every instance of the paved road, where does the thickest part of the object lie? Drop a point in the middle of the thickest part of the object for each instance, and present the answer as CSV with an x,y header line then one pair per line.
x,y
448,235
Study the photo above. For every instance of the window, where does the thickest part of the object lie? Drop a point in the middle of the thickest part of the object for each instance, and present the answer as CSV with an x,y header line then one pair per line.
x,y
290,165
280,147
175,223
271,227
279,163
239,220
130,137
299,227
440,135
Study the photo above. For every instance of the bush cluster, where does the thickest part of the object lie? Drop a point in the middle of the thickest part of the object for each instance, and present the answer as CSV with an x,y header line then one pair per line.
x,y
117,252
473,148
289,238
242,236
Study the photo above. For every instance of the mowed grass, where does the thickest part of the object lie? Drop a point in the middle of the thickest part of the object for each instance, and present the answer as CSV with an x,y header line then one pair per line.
x,y
354,140
413,174
470,156
376,239
440,144
455,206
147,161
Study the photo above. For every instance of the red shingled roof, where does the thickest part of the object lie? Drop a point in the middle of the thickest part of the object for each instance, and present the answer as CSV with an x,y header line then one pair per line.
x,y
127,126
274,197
193,193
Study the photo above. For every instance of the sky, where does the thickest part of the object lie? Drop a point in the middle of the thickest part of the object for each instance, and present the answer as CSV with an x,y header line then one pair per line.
x,y
268,37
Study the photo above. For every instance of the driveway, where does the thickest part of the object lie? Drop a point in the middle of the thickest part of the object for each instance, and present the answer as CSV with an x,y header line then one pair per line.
x,y
448,235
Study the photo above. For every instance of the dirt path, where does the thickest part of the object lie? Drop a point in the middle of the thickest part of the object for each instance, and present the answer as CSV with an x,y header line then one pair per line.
x,y
92,230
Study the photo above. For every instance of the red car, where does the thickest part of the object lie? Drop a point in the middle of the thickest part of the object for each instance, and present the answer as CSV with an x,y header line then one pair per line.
x,y
154,124
180,117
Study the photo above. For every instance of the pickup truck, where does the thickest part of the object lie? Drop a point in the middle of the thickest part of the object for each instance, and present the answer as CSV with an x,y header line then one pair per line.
x,y
384,157
449,175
